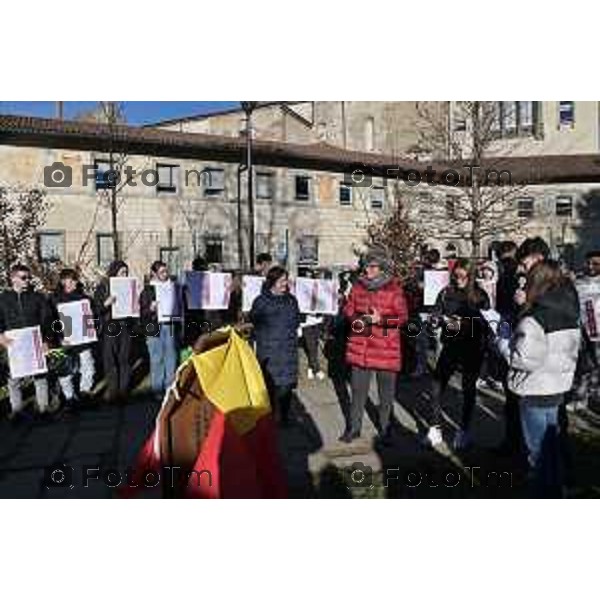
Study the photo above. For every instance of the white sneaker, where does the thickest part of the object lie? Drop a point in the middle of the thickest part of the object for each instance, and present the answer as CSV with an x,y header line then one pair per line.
x,y
434,436
310,374
320,375
462,440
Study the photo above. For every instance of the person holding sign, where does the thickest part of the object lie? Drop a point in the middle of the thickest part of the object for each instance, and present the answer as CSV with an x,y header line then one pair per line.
x,y
76,337
376,309
115,336
276,317
20,308
159,306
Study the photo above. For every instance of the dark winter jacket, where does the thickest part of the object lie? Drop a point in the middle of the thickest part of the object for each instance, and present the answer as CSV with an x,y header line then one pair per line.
x,y
543,350
469,330
26,309
375,346
506,287
276,319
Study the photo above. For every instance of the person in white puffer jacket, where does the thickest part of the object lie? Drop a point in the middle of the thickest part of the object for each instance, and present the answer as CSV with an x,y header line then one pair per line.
x,y
542,355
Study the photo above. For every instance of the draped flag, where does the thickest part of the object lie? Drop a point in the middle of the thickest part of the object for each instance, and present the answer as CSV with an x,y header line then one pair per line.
x,y
215,429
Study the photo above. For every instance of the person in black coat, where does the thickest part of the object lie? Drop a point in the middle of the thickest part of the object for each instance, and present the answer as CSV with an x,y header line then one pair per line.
x,y
22,307
458,309
115,336
80,358
276,318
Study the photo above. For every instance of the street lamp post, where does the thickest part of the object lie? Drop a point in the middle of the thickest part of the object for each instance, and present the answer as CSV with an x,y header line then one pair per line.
x,y
248,107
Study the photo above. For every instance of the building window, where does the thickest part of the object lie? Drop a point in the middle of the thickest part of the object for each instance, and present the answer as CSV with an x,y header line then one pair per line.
x,y
564,206
345,195
302,187
101,170
370,134
51,246
308,249
515,118
263,242
171,256
377,197
213,249
450,206
525,208
264,185
451,250
166,178
104,249
566,113
214,181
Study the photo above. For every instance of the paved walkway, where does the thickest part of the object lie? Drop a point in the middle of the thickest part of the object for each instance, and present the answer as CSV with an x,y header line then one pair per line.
x,y
316,463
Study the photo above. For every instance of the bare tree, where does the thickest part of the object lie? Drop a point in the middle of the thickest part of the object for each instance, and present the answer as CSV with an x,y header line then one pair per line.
x,y
396,235
466,134
23,212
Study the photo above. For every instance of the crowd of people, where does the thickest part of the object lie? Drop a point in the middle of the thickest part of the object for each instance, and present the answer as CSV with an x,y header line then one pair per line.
x,y
535,349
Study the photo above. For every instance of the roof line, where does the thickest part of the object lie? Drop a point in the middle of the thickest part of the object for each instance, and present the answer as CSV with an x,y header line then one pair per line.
x,y
217,113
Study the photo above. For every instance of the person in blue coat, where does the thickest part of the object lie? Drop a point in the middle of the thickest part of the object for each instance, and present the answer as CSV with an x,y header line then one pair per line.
x,y
276,318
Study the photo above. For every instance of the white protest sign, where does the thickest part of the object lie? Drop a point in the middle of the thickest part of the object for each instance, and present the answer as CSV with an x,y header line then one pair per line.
x,y
25,352
127,293
78,318
208,291
251,288
434,282
589,302
167,301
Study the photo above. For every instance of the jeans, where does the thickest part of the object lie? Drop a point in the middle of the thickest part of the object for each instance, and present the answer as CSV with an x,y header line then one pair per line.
x,y
87,370
540,431
163,358
386,386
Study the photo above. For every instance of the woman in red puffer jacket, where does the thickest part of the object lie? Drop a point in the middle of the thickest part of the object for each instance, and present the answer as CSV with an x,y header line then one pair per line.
x,y
376,309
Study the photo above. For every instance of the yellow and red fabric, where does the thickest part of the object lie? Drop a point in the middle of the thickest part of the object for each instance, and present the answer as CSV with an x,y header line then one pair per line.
x,y
239,455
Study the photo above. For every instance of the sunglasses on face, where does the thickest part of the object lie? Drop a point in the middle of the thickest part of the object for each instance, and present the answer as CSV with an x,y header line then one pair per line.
x,y
24,277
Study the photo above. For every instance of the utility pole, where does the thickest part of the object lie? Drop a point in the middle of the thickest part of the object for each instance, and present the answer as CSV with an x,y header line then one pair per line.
x,y
248,107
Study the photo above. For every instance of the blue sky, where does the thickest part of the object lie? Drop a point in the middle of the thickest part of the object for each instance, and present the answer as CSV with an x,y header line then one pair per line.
x,y
137,113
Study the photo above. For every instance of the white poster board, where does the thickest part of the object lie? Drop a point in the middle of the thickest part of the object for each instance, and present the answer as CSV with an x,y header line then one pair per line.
x,y
168,306
434,282
127,293
25,352
251,288
316,295
589,302
78,319
207,291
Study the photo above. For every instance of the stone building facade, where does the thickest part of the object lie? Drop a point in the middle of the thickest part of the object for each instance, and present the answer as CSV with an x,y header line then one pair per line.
x,y
305,214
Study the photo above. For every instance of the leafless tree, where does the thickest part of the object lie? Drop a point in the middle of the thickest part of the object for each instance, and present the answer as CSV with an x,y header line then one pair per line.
x,y
483,204
23,212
